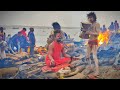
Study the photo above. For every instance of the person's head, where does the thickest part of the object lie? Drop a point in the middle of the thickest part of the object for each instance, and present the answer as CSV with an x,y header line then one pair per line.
x,y
111,23
115,21
91,17
1,29
31,29
24,29
9,35
19,34
56,26
57,36
0,38
103,25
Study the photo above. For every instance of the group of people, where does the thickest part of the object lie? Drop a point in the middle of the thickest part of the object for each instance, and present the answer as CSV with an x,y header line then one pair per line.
x,y
56,49
114,26
17,43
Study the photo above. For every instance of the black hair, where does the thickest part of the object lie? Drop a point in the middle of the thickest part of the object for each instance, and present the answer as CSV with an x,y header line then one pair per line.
x,y
92,14
19,32
9,34
56,25
24,29
31,29
1,29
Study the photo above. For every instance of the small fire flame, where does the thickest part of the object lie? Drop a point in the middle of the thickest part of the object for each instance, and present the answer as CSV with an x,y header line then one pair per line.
x,y
103,37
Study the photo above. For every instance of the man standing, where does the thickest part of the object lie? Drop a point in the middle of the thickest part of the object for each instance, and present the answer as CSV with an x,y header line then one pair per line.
x,y
111,27
2,33
104,29
32,41
93,40
116,26
3,46
56,53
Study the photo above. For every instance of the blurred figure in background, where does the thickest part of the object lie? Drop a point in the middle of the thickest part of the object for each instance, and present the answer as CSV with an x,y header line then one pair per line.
x,y
9,43
104,29
116,26
2,33
15,39
23,32
111,27
32,41
3,46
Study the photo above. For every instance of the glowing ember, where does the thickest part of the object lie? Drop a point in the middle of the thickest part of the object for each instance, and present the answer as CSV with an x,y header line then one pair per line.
x,y
103,37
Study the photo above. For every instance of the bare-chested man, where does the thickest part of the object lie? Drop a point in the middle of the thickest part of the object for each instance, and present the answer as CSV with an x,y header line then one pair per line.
x,y
93,41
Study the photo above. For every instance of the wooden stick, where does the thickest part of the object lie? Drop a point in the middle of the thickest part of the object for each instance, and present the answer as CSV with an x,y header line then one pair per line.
x,y
33,72
20,62
77,76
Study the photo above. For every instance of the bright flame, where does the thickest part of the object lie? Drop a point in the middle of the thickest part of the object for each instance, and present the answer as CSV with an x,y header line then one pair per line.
x,y
103,37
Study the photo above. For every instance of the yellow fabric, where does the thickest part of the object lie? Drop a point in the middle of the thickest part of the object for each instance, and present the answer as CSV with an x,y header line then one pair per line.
x,y
28,50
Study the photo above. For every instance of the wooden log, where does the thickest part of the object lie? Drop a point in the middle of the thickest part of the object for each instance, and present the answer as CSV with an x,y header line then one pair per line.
x,y
38,64
77,76
51,75
20,62
11,70
72,73
81,68
30,73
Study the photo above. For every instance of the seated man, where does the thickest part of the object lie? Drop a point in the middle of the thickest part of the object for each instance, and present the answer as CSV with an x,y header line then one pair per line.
x,y
56,52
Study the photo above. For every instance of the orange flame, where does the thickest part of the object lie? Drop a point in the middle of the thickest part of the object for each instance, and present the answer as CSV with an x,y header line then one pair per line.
x,y
103,37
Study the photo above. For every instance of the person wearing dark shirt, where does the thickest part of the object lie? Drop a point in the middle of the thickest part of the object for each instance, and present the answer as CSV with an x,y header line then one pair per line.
x,y
116,25
104,28
2,33
9,43
111,27
23,43
32,40
16,42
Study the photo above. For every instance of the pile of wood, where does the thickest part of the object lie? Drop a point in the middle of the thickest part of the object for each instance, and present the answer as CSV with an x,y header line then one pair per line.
x,y
71,73
8,71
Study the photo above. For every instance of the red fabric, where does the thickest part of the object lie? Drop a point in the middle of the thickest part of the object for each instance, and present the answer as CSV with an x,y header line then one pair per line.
x,y
92,42
57,55
24,33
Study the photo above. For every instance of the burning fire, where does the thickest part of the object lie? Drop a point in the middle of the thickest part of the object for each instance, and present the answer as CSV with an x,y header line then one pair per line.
x,y
103,37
